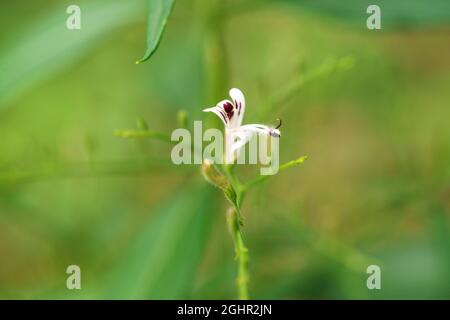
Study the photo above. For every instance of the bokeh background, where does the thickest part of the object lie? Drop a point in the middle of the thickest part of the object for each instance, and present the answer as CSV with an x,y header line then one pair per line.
x,y
371,110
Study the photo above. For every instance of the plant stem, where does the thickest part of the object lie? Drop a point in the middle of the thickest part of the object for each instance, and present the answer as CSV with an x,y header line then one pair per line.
x,y
241,253
216,84
261,179
80,170
214,49
143,134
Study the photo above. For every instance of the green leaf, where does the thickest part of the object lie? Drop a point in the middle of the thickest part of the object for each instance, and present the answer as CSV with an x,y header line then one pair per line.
x,y
46,46
163,259
159,12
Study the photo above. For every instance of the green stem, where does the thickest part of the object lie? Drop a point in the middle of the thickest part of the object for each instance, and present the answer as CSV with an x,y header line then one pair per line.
x,y
235,222
81,170
236,183
216,85
214,49
143,134
241,251
261,178
277,101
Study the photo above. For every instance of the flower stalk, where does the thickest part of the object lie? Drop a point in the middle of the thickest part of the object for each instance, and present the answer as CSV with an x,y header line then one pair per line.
x,y
234,220
241,252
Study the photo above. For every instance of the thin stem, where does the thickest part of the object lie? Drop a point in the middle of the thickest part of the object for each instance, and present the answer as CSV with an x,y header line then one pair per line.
x,y
214,49
237,185
277,101
261,178
80,170
216,84
235,222
143,134
241,253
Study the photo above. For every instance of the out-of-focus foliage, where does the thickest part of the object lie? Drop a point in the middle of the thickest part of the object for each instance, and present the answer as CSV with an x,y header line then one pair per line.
x,y
369,108
45,46
162,262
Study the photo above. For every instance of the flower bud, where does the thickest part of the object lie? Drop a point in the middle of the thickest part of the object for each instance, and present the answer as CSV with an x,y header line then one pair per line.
x,y
216,178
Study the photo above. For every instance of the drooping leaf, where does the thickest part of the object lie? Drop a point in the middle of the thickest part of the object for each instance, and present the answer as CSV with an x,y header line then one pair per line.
x,y
162,261
159,12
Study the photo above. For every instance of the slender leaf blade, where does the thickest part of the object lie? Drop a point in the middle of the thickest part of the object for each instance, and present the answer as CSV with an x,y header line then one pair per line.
x,y
159,12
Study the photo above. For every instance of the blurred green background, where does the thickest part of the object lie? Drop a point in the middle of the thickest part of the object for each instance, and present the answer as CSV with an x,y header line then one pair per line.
x,y
370,109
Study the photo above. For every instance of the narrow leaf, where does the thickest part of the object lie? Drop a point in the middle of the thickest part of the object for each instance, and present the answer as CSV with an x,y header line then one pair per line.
x,y
159,12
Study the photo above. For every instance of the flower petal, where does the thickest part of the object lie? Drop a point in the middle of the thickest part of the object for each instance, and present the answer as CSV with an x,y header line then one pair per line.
x,y
248,131
260,129
224,110
239,104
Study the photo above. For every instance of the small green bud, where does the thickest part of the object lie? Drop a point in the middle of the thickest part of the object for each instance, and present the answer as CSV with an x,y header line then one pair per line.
x,y
141,124
216,178
182,118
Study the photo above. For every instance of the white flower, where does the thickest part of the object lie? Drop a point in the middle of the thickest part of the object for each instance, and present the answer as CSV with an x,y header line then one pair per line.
x,y
237,135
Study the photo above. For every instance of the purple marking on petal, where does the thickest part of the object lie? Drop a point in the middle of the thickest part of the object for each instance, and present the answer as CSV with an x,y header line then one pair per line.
x,y
228,107
274,134
223,116
236,105
230,114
